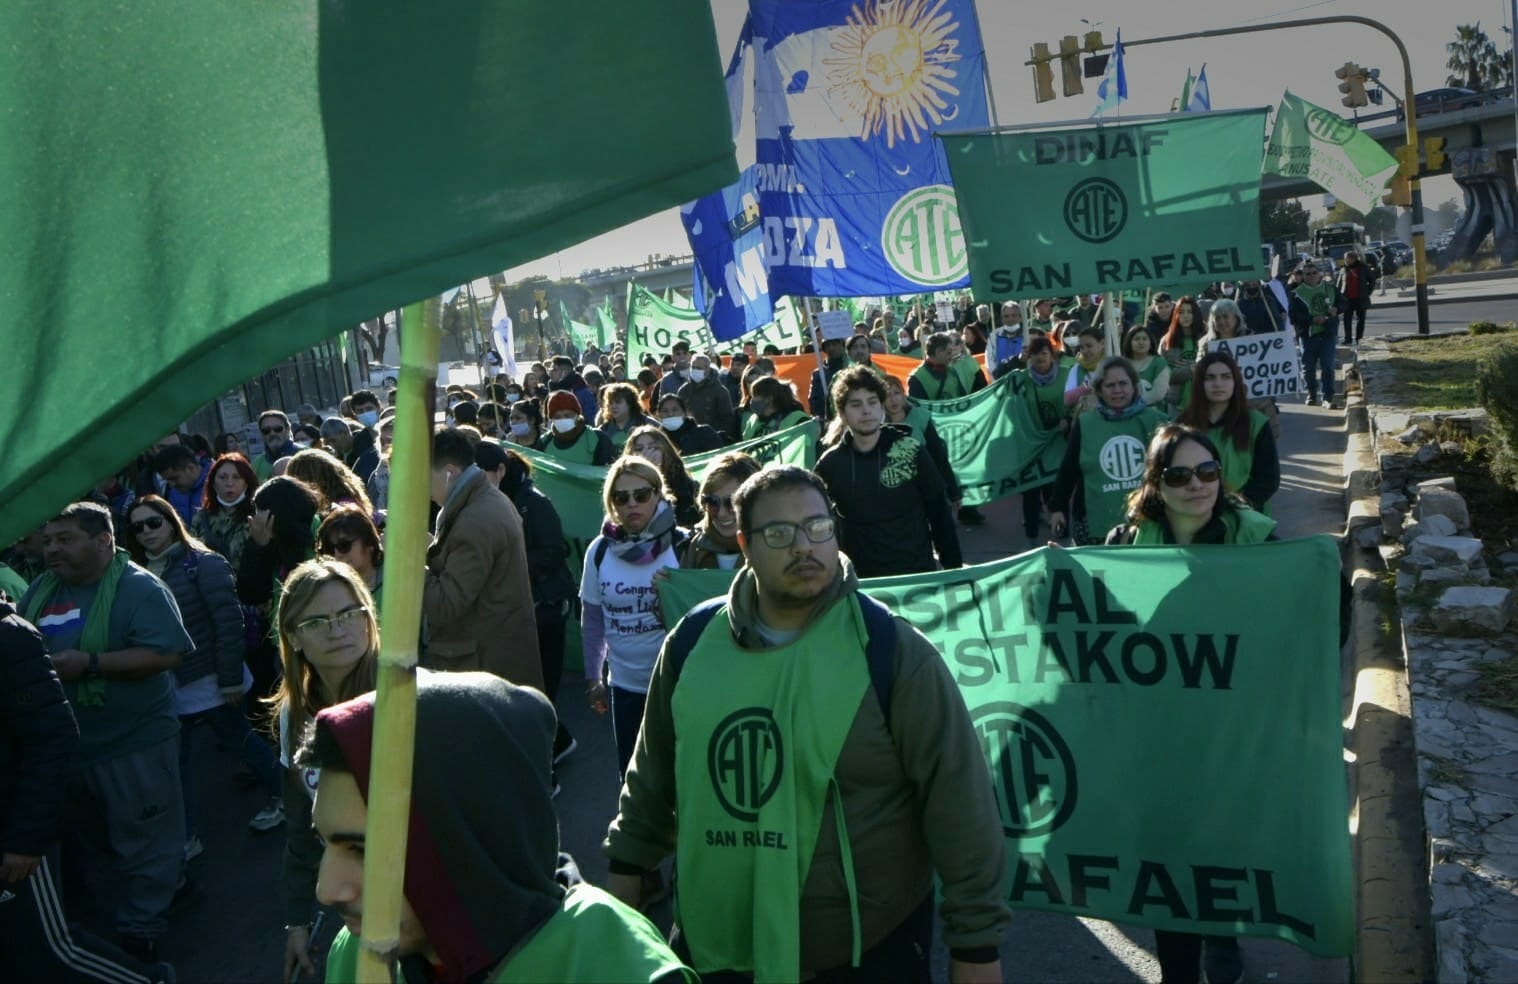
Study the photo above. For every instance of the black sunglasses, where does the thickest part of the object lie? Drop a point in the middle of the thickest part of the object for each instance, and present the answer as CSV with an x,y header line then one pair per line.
x,y
151,523
271,430
338,546
622,497
718,502
1179,476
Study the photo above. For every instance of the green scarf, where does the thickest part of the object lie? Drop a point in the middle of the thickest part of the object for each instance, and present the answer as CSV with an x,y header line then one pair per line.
x,y
95,636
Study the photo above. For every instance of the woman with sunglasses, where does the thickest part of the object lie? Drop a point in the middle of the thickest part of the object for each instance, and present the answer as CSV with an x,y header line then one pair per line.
x,y
221,523
349,535
714,541
1246,445
329,645
619,618
651,443
209,684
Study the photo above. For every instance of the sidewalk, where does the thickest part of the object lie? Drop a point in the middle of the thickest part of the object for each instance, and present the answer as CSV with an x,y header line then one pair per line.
x,y
1449,293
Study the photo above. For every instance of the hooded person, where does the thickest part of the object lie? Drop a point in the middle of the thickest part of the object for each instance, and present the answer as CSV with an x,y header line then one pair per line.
x,y
487,894
569,438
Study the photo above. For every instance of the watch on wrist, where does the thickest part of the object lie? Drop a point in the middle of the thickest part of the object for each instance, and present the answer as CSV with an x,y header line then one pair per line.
x,y
92,671
305,926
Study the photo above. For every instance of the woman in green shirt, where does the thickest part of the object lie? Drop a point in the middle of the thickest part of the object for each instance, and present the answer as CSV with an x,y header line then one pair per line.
x,y
1154,372
1245,444
621,412
1180,347
772,407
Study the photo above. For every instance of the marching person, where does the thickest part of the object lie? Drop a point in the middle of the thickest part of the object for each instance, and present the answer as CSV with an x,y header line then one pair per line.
x,y
879,778
1315,315
1246,447
1356,283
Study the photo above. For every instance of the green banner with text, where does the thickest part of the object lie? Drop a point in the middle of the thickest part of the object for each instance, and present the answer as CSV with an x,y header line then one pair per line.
x,y
1165,753
995,447
1111,207
654,326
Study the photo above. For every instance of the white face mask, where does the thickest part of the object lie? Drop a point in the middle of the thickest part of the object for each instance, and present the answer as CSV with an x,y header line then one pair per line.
x,y
235,502
521,429
697,375
671,423
563,426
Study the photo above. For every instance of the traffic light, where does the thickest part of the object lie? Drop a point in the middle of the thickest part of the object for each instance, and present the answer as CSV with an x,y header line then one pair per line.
x,y
1043,75
1399,190
1352,84
1407,160
1070,65
1433,153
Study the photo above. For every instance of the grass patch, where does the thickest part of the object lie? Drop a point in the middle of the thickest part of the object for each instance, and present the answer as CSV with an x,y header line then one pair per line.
x,y
1497,684
1443,772
1434,373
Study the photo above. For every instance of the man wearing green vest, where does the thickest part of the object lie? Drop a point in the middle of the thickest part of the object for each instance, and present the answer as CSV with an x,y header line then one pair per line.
x,y
569,439
1315,314
807,757
941,376
488,895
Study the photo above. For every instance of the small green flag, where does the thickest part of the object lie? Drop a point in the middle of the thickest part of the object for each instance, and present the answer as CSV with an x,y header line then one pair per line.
x,y
995,446
1320,145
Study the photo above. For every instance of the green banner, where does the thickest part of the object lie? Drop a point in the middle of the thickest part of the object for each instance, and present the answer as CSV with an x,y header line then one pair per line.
x,y
1111,207
995,446
1320,145
585,335
654,325
1165,753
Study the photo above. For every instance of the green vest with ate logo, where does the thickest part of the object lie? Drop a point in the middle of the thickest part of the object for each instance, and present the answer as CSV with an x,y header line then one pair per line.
x,y
758,734
1112,464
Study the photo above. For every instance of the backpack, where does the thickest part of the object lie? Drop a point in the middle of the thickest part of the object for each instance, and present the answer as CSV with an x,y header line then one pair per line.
x,y
879,650
252,620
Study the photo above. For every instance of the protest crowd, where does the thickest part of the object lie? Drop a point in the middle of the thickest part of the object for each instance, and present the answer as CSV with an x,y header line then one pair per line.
x,y
211,589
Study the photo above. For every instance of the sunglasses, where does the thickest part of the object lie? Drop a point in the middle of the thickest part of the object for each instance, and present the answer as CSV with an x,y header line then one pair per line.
x,y
715,502
338,547
151,523
266,431
1179,476
622,497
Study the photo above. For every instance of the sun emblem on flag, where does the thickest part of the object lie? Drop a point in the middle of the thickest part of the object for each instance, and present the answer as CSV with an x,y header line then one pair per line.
x,y
891,68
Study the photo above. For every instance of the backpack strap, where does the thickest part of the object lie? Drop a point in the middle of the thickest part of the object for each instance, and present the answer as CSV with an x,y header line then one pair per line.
x,y
688,630
600,553
879,650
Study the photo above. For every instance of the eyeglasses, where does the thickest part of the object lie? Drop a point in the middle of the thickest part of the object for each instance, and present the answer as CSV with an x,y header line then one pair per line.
x,y
338,547
622,497
151,523
1179,476
267,431
317,624
715,502
781,534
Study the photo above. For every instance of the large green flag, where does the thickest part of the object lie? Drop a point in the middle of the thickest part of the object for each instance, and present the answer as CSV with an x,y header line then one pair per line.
x,y
1166,753
654,326
584,335
191,192
995,446
1111,207
1311,142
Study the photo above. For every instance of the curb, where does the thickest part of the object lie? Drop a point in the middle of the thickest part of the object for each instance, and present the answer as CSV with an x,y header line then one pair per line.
x,y
1394,942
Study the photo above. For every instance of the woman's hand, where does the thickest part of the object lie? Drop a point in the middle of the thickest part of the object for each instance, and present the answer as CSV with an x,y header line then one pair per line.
x,y
1057,524
261,527
596,696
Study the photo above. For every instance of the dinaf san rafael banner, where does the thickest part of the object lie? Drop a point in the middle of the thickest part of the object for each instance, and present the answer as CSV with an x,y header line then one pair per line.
x,y
1311,142
1163,753
995,446
1098,208
1268,362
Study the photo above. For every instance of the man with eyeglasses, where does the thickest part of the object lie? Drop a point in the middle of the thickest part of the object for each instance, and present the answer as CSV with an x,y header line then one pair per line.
x,y
808,758
274,428
114,632
893,503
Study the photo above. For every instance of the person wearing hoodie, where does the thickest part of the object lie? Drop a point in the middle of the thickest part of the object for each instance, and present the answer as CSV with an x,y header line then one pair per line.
x,y
562,378
879,786
568,437
488,895
708,400
892,502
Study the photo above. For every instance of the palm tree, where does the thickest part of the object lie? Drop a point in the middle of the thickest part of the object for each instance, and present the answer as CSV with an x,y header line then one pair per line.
x,y
1472,57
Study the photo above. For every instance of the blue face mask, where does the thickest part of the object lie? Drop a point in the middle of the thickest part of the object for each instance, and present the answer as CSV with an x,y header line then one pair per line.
x,y
369,418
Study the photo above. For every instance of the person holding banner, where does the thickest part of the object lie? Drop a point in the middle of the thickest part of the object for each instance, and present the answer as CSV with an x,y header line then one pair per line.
x,y
772,406
621,414
1045,393
1104,460
569,439
1080,386
1259,308
1154,372
1246,447
939,378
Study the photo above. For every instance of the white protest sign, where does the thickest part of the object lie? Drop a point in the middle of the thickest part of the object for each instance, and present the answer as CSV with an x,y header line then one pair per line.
x,y
945,311
835,324
1268,362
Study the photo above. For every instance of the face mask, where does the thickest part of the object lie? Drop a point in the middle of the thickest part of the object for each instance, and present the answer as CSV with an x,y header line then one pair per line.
x,y
697,375
228,505
671,423
521,429
563,426
513,397
369,418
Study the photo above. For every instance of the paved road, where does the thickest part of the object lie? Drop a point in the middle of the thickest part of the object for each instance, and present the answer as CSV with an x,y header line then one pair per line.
x,y
231,931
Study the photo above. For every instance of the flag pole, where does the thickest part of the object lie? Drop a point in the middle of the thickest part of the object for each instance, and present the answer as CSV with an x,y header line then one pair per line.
x,y
389,802
985,67
479,337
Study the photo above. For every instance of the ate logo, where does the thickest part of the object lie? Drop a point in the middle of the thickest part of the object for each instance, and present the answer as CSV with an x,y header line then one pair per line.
x,y
746,759
958,438
1331,127
922,238
1031,768
1096,210
1122,458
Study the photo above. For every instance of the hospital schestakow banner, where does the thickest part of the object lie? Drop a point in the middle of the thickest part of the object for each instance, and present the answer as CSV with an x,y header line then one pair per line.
x,y
1165,753
1099,208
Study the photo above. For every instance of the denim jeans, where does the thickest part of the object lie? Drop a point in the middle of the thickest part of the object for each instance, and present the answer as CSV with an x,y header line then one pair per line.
x,y
232,730
1319,353
626,719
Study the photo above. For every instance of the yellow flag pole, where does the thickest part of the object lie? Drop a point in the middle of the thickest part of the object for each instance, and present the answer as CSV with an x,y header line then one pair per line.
x,y
395,704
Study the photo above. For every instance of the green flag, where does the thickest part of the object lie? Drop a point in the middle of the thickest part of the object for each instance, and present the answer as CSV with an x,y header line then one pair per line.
x,y
995,446
654,326
195,191
1109,207
606,326
1314,143
1165,753
582,334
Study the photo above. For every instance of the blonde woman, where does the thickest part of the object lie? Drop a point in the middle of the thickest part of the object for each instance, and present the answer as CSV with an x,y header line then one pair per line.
x,y
335,483
328,644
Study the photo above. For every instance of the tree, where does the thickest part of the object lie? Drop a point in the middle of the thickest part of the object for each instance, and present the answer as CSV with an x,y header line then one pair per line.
x,y
1474,61
1285,219
1381,223
1447,214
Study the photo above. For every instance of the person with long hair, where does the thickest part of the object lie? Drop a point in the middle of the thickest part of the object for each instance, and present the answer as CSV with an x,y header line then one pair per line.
x,y
1224,320
915,420
621,413
335,483
652,443
221,523
1044,392
281,534
227,443
349,535
210,683
772,406
1154,372
1246,448
619,621
1180,348
525,423
1103,458
713,542
329,647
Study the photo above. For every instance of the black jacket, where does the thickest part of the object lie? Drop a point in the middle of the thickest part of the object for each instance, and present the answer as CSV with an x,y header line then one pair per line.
x,y
547,550
892,505
202,584
693,438
39,737
364,456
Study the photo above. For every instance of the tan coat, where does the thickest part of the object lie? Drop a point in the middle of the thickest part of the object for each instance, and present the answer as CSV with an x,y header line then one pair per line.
x,y
477,596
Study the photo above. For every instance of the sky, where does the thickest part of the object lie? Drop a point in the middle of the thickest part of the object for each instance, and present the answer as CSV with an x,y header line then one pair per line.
x,y
1242,71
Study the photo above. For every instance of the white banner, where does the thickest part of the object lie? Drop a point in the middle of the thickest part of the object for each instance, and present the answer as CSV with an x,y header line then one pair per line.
x,y
1268,362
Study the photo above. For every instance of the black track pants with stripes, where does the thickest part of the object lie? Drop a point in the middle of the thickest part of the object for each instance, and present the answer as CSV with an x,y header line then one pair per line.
x,y
37,943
